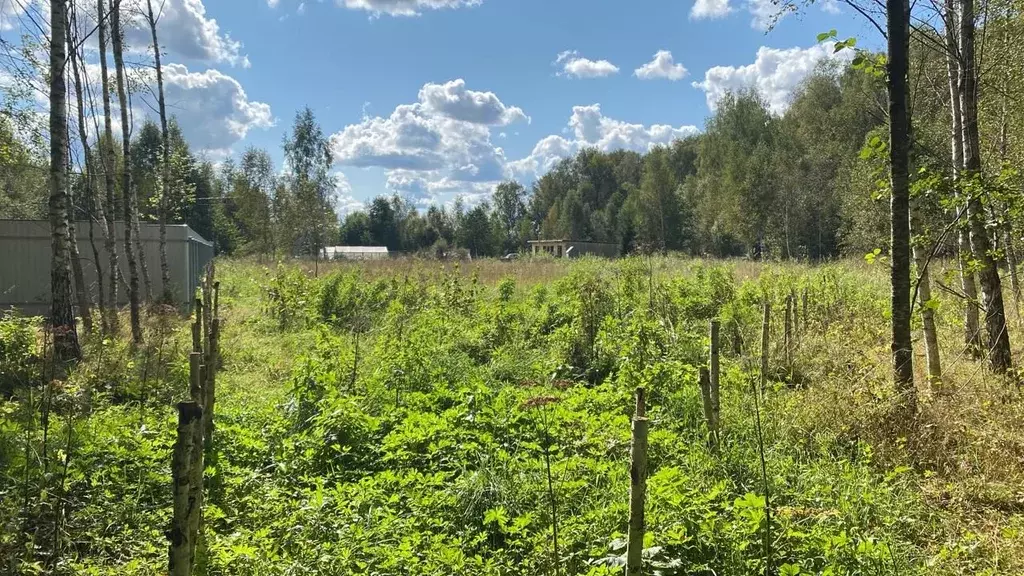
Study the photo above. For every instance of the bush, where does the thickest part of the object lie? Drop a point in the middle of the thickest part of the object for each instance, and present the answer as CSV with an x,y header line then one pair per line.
x,y
20,362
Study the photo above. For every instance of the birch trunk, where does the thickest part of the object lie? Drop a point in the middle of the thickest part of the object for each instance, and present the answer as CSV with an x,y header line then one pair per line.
x,y
1009,251
107,161
127,193
1011,260
90,183
988,273
140,249
81,294
62,314
931,340
165,270
968,284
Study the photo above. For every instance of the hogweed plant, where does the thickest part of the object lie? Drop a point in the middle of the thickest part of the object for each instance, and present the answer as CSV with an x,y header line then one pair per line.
x,y
538,405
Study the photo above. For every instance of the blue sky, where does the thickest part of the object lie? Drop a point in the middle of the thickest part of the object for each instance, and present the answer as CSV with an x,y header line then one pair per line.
x,y
438,98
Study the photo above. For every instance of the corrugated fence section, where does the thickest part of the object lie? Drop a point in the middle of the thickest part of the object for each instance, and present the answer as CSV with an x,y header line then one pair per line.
x,y
25,262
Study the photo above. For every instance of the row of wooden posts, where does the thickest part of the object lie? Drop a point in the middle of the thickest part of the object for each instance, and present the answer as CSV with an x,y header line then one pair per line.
x,y
709,390
195,433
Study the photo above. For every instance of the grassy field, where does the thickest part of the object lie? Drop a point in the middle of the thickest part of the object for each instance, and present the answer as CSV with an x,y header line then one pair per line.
x,y
399,417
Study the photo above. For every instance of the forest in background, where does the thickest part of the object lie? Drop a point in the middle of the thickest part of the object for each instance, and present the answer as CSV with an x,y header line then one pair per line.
x,y
809,183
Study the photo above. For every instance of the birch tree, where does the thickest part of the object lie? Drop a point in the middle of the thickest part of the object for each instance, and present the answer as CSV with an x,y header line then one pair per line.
x,y
165,271
988,273
62,315
107,162
128,202
91,190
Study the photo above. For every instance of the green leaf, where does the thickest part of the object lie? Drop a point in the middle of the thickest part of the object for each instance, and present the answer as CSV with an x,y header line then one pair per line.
x,y
789,570
826,35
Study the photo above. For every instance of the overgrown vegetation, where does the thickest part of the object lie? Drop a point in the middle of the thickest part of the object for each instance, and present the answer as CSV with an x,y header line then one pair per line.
x,y
393,418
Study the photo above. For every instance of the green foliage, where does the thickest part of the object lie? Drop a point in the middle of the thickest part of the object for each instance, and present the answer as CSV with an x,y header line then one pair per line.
x,y
20,357
398,423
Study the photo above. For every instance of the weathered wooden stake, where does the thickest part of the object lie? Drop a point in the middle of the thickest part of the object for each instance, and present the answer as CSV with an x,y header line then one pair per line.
x,y
709,410
209,390
765,325
787,334
714,375
803,297
179,556
637,488
796,317
197,327
207,308
216,298
195,480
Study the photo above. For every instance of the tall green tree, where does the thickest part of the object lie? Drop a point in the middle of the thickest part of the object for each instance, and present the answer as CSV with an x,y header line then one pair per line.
x,y
656,211
475,232
308,155
252,186
509,200
382,224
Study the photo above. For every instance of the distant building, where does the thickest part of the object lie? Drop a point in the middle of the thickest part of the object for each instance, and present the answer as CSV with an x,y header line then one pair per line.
x,y
355,252
573,248
25,255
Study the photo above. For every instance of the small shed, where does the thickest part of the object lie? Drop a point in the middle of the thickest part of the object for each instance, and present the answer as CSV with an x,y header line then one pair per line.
x,y
355,252
25,262
574,248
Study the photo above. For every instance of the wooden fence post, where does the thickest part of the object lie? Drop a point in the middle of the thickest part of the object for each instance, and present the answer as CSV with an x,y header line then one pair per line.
x,y
216,298
765,325
209,390
195,490
637,488
803,304
715,374
709,410
179,555
787,333
197,327
796,316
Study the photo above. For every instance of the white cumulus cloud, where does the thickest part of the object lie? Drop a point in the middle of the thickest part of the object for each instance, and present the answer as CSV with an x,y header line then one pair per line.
x,y
344,201
662,66
590,128
710,9
575,66
185,32
775,73
212,108
444,137
404,7
453,100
